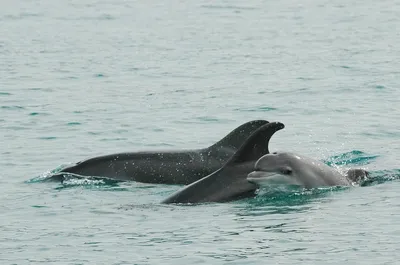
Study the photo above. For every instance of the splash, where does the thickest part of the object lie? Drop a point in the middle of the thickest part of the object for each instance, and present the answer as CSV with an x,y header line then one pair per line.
x,y
354,157
72,180
381,176
293,195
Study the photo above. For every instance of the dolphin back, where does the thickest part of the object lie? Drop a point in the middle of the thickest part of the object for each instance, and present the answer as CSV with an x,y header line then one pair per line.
x,y
167,167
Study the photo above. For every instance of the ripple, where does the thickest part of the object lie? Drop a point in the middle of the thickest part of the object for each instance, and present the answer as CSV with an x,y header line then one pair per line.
x,y
382,134
35,88
16,128
38,114
5,94
113,139
92,243
12,107
211,119
47,138
228,7
257,109
73,123
159,145
306,78
203,119
69,78
22,16
180,91
101,17
95,133
39,206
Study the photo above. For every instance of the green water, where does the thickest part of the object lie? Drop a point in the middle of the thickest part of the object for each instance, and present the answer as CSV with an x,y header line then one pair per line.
x,y
85,78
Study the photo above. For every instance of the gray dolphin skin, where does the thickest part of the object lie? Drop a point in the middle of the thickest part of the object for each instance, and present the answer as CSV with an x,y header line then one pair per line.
x,y
230,182
286,168
165,167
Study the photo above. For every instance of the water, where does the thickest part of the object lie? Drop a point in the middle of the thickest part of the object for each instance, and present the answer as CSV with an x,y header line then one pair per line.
x,y
84,78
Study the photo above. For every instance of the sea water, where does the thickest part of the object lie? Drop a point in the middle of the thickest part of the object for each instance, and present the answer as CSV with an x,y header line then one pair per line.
x,y
85,78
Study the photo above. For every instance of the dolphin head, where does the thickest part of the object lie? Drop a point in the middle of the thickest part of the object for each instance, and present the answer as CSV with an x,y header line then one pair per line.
x,y
274,169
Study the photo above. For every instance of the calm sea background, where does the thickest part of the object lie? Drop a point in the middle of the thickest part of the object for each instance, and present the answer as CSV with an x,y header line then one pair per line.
x,y
92,77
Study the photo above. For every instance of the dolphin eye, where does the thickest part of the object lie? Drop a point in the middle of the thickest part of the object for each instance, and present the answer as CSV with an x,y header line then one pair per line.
x,y
286,171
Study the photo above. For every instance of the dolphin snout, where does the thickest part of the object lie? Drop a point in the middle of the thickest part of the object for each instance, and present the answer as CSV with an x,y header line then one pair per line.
x,y
254,176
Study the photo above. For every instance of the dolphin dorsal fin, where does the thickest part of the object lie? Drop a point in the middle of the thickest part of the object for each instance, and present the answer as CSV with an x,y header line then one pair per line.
x,y
257,144
236,137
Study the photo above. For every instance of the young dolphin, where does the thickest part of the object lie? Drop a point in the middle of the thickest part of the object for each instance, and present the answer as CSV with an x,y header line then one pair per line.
x,y
229,182
165,167
286,168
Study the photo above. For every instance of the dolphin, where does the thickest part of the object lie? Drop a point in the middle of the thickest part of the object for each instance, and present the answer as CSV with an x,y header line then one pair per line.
x,y
287,168
230,182
164,167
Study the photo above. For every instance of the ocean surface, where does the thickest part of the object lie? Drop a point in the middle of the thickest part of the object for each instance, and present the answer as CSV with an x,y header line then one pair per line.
x,y
91,77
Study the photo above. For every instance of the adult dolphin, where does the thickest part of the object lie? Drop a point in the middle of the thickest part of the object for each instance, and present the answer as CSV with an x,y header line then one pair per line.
x,y
230,182
164,167
287,168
